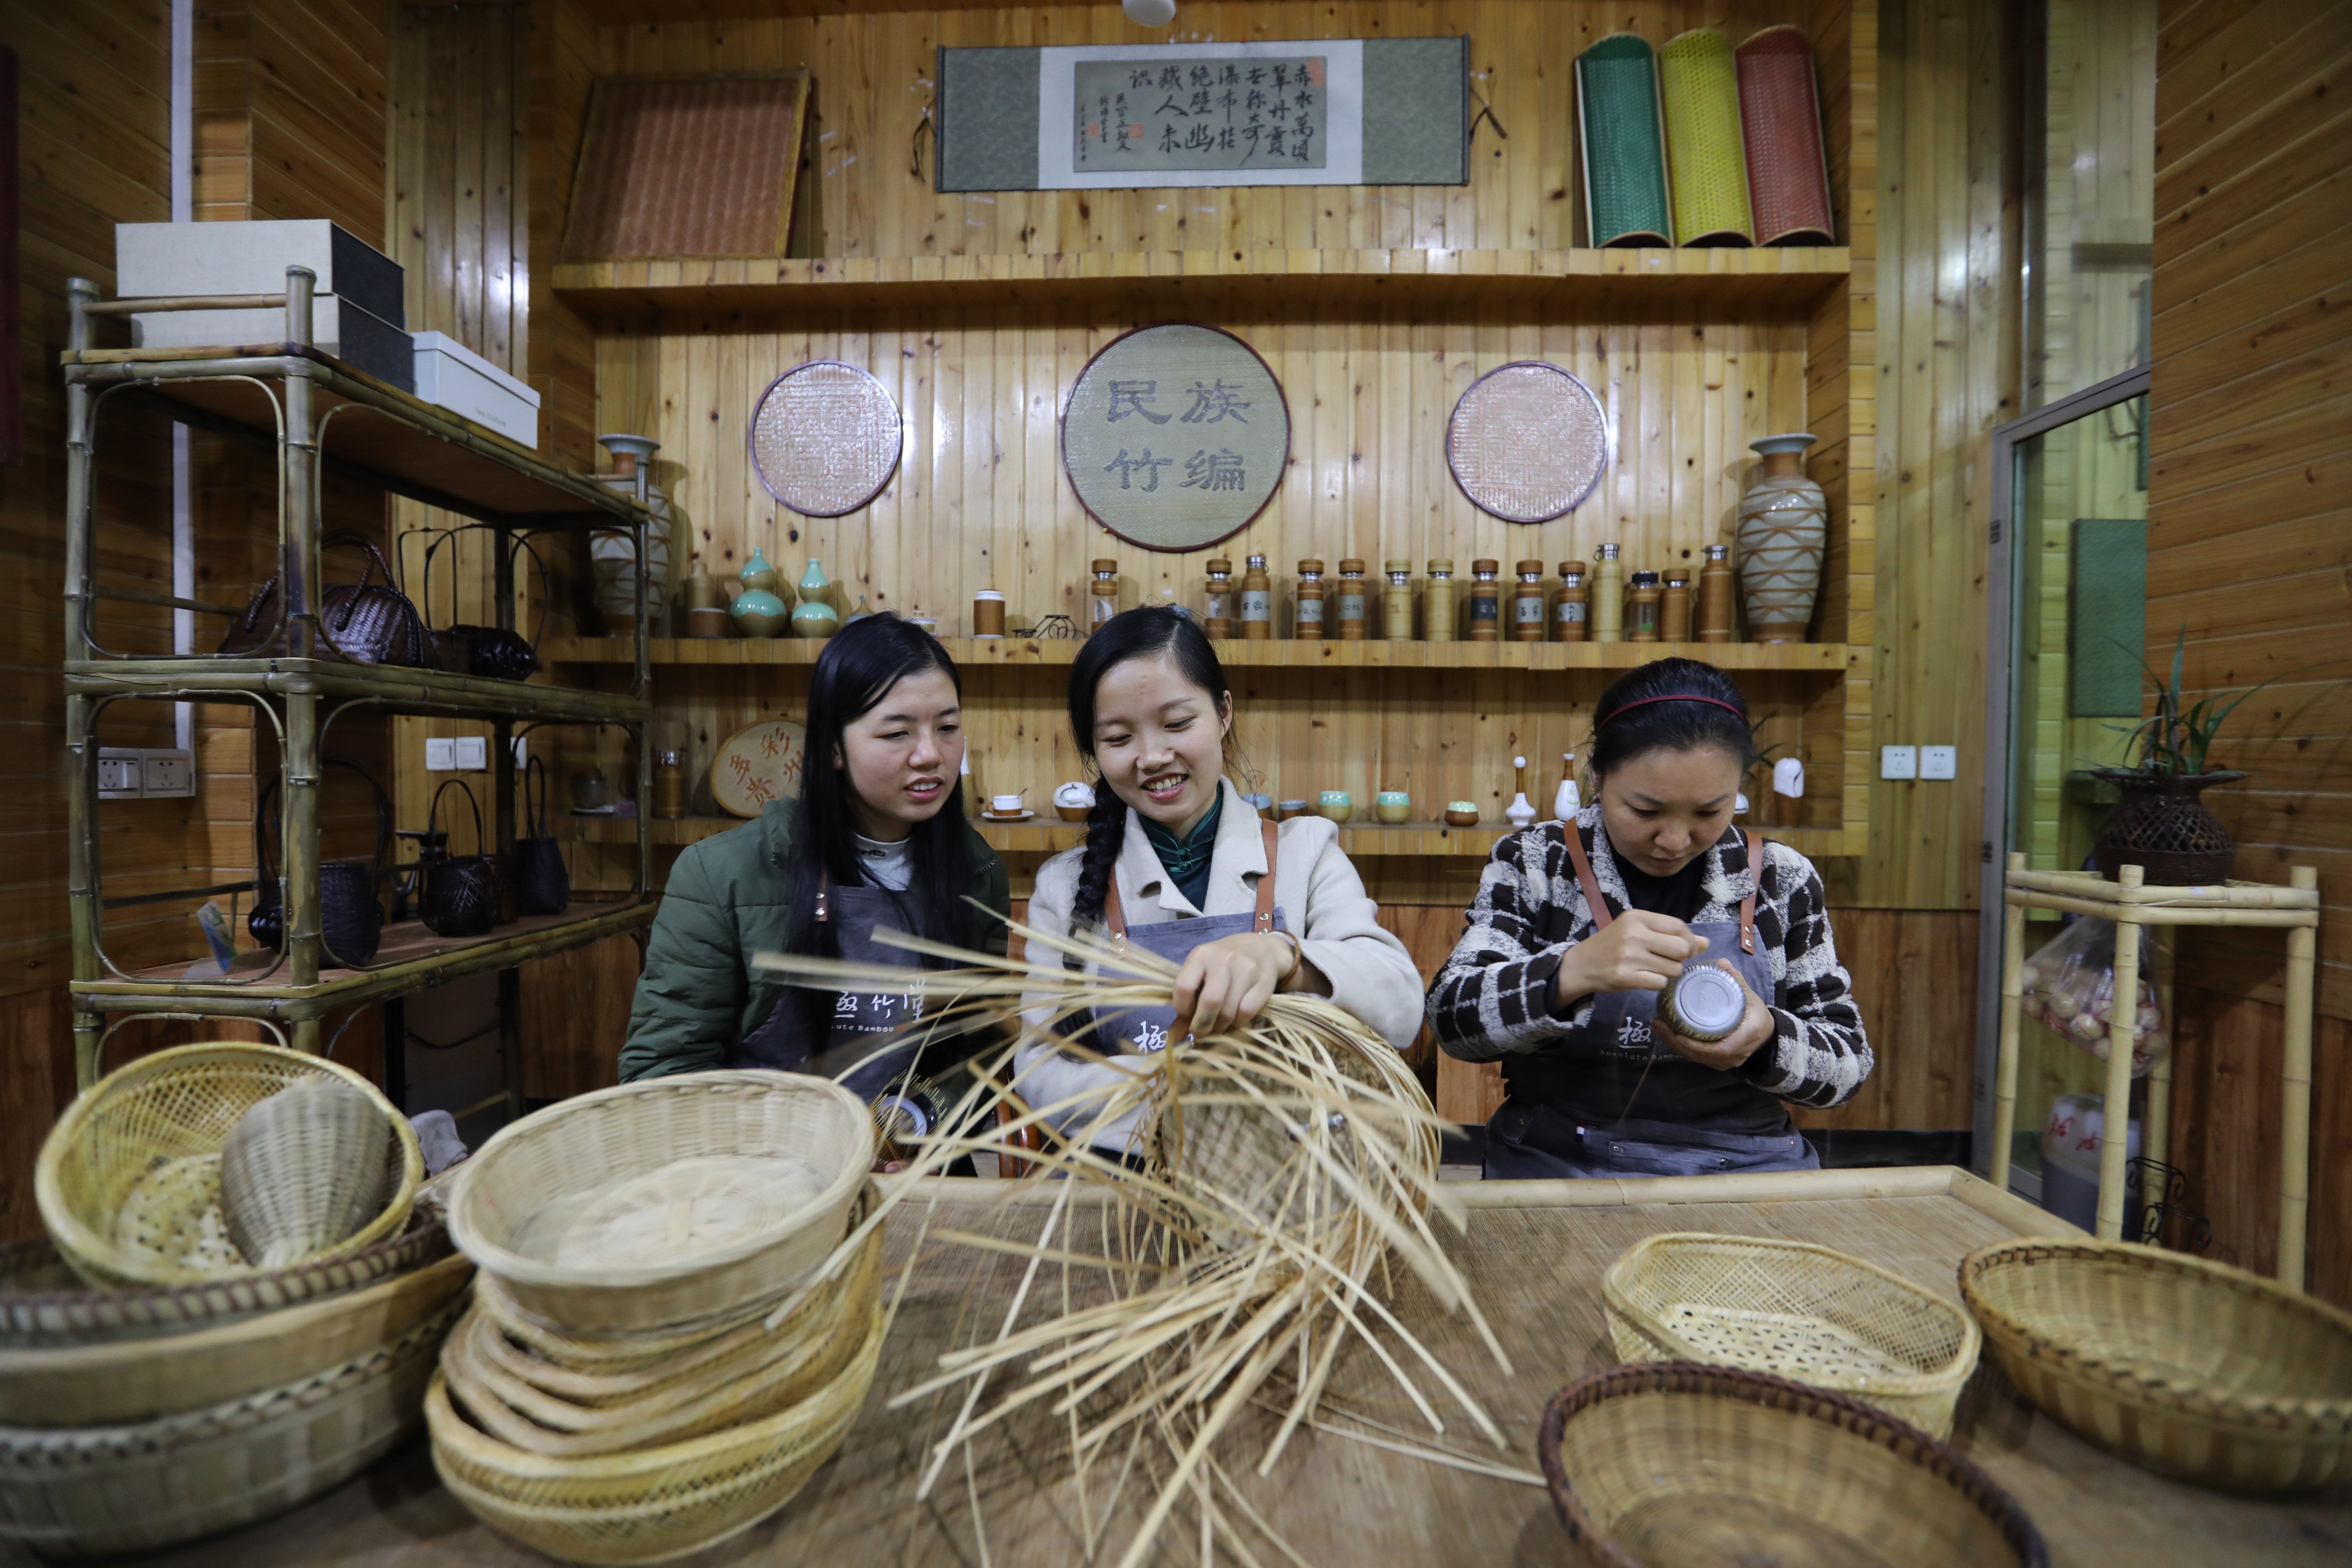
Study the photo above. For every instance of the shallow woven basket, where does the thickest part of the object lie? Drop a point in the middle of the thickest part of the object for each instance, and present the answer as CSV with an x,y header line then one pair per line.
x,y
143,1486
588,1173
1678,1464
657,1503
299,1171
2191,1368
146,1141
45,1305
1796,1311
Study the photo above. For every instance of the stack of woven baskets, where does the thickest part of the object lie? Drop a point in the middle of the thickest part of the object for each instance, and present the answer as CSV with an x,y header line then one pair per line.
x,y
677,1314
238,1308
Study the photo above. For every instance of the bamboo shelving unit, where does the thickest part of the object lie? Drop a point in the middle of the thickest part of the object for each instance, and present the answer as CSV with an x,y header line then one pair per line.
x,y
293,400
979,653
2294,909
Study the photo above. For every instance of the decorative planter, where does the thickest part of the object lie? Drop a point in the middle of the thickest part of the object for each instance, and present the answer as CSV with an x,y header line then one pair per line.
x,y
1784,529
613,553
2162,827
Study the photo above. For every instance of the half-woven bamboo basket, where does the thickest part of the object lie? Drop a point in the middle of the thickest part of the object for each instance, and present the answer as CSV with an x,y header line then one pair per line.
x,y
129,1179
2188,1367
1796,1311
575,1210
143,1486
1675,1463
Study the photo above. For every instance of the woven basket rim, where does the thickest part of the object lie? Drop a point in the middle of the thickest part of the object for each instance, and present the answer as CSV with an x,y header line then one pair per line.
x,y
2283,1411
1963,1364
77,1241
1867,1422
511,1265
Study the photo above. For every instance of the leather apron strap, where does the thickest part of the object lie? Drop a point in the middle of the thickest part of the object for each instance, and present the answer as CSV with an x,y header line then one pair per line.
x,y
1598,907
1114,918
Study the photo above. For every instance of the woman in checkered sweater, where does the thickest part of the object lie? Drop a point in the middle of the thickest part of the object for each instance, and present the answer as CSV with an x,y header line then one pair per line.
x,y
1578,929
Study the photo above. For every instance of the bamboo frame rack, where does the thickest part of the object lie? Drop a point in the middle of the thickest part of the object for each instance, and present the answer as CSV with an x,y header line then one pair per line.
x,y
2131,904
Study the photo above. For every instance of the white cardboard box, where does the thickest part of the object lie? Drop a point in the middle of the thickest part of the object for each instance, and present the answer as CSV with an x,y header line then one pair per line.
x,y
251,257
463,382
337,327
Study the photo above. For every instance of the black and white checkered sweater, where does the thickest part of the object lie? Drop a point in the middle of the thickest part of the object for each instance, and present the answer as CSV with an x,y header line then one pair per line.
x,y
1493,998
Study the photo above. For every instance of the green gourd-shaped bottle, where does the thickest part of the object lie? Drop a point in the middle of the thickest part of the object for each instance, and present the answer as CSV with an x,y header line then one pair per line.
x,y
814,618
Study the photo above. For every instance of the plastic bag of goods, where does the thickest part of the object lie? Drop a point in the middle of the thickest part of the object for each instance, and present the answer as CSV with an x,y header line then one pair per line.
x,y
2069,988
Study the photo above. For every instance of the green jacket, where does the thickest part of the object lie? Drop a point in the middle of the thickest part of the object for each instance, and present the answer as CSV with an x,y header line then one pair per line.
x,y
730,897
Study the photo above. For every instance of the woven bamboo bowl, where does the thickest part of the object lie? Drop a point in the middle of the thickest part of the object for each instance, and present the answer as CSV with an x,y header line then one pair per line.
x,y
169,1114
1675,1466
654,1504
2194,1369
1796,1311
143,1487
536,1187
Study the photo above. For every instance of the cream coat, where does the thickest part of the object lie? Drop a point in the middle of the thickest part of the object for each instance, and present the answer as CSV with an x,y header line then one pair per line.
x,y
1317,890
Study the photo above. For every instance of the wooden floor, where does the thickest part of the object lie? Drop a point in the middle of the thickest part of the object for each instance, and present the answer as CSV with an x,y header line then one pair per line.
x,y
1534,1258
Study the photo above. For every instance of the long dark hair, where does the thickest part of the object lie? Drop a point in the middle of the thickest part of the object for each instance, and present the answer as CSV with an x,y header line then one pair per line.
x,y
1670,705
1148,631
859,665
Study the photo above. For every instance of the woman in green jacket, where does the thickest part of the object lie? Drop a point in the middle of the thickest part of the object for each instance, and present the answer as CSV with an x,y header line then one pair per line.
x,y
877,840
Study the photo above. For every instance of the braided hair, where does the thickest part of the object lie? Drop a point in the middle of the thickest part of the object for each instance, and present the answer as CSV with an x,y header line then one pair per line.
x,y
1149,631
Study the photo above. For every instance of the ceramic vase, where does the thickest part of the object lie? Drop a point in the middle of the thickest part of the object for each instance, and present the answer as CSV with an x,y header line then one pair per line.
x,y
1784,529
815,617
759,577
613,553
760,614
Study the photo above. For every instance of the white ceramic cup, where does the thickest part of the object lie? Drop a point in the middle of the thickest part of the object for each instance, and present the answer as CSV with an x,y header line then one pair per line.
x,y
1004,804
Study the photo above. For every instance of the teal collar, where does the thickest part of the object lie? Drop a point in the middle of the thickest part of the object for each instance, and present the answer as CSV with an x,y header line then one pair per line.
x,y
1187,862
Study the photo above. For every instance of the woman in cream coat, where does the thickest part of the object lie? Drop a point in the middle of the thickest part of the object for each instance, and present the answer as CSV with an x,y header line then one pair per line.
x,y
1176,862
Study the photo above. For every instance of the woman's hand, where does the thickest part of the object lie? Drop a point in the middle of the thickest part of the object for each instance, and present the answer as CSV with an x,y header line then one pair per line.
x,y
1756,1026
1228,981
1636,951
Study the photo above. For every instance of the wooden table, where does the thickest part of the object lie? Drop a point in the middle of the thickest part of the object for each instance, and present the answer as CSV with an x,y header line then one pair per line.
x,y
1534,1253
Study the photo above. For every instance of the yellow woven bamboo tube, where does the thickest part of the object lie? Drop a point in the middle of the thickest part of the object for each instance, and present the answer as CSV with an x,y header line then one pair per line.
x,y
1706,153
2155,1129
2294,1090
2115,1141
2004,1093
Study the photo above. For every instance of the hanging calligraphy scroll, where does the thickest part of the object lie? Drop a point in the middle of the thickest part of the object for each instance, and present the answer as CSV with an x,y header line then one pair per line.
x,y
1175,435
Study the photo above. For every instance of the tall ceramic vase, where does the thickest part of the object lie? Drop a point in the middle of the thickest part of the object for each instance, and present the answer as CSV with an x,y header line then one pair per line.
x,y
1784,529
613,553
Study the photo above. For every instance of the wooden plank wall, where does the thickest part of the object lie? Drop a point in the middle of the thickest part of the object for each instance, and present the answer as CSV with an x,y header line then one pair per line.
x,y
2250,540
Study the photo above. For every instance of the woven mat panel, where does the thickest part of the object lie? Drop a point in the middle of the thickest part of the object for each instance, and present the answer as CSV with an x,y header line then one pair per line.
x,y
1781,113
1528,442
687,166
1624,152
1706,159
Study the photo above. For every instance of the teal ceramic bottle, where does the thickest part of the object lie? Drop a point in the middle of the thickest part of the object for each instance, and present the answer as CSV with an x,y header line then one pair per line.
x,y
814,618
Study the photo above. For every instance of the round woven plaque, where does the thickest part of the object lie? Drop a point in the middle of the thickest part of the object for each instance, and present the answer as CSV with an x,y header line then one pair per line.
x,y
1175,435
756,765
1527,441
825,437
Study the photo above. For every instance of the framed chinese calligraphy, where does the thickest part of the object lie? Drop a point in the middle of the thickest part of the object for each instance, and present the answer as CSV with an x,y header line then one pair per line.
x,y
1528,442
1175,435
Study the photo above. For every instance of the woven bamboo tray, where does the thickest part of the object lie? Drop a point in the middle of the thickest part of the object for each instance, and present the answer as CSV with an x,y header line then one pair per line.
x,y
657,1503
1675,1464
1792,1310
43,1304
611,1175
139,1487
2191,1368
129,1179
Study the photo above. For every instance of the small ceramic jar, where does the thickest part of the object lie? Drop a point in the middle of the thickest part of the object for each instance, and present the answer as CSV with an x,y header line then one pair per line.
x,y
1462,814
1392,807
1337,805
1072,800
1290,808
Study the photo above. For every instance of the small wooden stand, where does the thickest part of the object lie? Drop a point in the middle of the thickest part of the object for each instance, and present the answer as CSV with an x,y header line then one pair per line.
x,y
2294,909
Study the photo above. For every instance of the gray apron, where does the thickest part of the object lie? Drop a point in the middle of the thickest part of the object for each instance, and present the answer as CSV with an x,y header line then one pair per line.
x,y
1529,1138
782,1040
1133,1031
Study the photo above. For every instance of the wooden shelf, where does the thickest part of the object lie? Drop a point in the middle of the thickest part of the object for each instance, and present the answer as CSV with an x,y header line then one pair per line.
x,y
1360,839
1446,282
979,653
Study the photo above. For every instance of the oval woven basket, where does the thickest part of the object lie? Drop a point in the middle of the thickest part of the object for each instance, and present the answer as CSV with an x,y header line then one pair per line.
x,y
2191,1368
129,1179
575,1210
143,1487
654,1504
1675,1463
1795,1310
45,1305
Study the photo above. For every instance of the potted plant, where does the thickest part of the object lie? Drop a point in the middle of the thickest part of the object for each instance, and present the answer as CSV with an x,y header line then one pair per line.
x,y
2160,825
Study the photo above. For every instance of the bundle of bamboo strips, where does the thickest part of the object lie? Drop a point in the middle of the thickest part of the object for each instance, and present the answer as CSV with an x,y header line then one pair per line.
x,y
1284,1164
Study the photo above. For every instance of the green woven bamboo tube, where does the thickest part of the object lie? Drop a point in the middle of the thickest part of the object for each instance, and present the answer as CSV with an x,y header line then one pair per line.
x,y
1706,153
1623,150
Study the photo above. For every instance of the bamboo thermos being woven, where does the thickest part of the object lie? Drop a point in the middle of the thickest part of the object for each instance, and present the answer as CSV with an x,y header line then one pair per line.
x,y
1704,1004
1714,595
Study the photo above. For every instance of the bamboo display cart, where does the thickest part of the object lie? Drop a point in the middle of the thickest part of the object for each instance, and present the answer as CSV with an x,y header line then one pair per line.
x,y
320,418
2294,909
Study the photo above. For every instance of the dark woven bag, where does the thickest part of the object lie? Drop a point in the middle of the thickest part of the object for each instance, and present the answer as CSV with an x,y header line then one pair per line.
x,y
366,622
351,920
462,892
543,882
496,652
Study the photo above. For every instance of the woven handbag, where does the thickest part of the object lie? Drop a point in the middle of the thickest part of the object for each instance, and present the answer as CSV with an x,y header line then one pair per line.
x,y
499,653
351,920
543,882
367,622
462,892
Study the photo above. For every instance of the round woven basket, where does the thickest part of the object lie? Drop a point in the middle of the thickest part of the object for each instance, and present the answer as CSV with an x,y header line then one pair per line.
x,y
2191,1368
654,1504
576,1210
44,1305
129,1179
140,1487
1675,1463
1796,1311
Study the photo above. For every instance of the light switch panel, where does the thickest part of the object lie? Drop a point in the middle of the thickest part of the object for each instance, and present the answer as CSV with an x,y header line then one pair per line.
x,y
1940,761
1898,762
471,751
437,756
